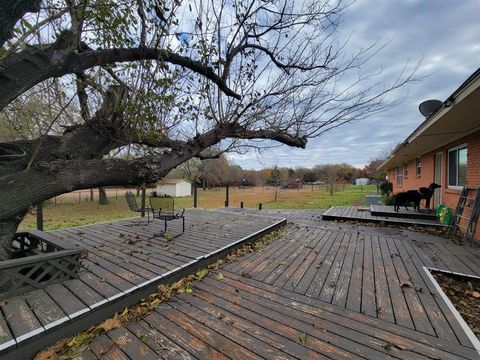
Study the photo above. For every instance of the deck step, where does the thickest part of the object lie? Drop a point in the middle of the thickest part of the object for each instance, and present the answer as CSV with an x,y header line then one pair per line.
x,y
384,210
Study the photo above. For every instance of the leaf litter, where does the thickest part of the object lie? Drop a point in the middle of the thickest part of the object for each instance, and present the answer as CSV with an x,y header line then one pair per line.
x,y
464,293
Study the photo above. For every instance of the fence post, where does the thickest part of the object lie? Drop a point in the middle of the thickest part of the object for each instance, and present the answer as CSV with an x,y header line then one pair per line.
x,y
40,216
227,195
195,198
142,214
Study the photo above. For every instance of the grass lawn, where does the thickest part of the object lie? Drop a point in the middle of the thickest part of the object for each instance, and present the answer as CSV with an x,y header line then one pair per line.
x,y
74,210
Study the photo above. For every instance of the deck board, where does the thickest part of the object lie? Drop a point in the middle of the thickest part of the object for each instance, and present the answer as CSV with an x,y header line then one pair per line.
x,y
384,298
131,345
20,318
184,339
103,347
44,307
159,342
67,301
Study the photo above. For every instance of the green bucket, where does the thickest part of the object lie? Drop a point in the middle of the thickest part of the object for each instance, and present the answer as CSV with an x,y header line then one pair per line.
x,y
444,214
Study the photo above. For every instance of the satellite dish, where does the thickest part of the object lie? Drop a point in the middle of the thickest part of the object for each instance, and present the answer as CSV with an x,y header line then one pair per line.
x,y
429,106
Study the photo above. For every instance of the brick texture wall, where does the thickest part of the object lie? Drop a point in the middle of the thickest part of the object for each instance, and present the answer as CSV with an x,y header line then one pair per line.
x,y
449,196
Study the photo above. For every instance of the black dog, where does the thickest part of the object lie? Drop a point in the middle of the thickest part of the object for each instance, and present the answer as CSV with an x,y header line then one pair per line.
x,y
428,193
415,196
407,197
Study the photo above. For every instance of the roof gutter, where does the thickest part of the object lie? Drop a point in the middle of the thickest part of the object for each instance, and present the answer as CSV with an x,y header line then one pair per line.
x,y
433,117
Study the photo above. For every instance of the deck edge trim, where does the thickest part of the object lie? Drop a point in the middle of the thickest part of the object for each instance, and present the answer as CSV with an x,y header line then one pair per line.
x,y
56,322
30,334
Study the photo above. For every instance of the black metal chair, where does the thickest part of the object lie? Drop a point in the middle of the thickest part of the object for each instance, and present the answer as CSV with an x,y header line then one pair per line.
x,y
163,207
133,206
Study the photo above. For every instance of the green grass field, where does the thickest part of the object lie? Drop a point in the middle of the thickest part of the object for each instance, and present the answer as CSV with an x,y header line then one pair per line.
x,y
70,212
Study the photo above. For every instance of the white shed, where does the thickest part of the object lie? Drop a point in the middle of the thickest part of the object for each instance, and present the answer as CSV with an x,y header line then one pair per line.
x,y
361,181
174,187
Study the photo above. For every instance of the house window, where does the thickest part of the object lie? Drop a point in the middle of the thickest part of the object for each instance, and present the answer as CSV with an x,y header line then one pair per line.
x,y
399,175
418,167
457,166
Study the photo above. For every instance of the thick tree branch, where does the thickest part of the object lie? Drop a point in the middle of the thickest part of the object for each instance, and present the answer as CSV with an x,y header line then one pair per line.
x,y
34,66
102,133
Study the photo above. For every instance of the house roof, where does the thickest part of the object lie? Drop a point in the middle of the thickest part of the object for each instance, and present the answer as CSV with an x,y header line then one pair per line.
x,y
172,181
454,119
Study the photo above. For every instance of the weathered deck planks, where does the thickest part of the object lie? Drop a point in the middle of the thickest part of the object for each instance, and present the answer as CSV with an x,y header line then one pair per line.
x,y
243,318
124,257
354,293
370,274
357,213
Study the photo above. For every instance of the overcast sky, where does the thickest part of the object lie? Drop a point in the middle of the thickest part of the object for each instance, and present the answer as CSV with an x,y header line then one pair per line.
x,y
445,33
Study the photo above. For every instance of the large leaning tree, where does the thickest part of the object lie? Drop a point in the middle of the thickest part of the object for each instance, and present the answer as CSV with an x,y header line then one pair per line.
x,y
119,92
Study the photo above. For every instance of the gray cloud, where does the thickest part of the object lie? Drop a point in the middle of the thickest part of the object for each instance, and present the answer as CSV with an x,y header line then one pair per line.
x,y
444,33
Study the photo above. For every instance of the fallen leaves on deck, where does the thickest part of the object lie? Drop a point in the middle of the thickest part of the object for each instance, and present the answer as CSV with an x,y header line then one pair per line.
x,y
303,338
391,346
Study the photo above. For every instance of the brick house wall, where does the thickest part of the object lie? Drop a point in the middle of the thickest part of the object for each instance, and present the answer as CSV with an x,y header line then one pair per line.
x,y
449,196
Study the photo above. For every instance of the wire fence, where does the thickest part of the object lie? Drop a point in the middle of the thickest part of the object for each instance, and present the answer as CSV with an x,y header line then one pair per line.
x,y
83,207
91,195
237,192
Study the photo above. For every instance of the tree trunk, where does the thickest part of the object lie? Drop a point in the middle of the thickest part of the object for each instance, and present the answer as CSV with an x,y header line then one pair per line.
x,y
102,196
8,228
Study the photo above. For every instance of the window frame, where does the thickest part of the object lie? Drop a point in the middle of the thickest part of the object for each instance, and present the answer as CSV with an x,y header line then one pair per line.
x,y
418,167
456,148
399,173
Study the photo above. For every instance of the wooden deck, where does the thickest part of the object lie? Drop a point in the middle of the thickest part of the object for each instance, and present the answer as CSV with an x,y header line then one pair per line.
x,y
362,213
126,261
314,293
383,210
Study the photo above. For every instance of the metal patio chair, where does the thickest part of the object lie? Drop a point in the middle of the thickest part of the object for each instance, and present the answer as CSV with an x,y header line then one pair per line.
x,y
133,206
163,207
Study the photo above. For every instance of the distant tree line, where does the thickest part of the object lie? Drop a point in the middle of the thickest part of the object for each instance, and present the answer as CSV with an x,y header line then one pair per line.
x,y
217,172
